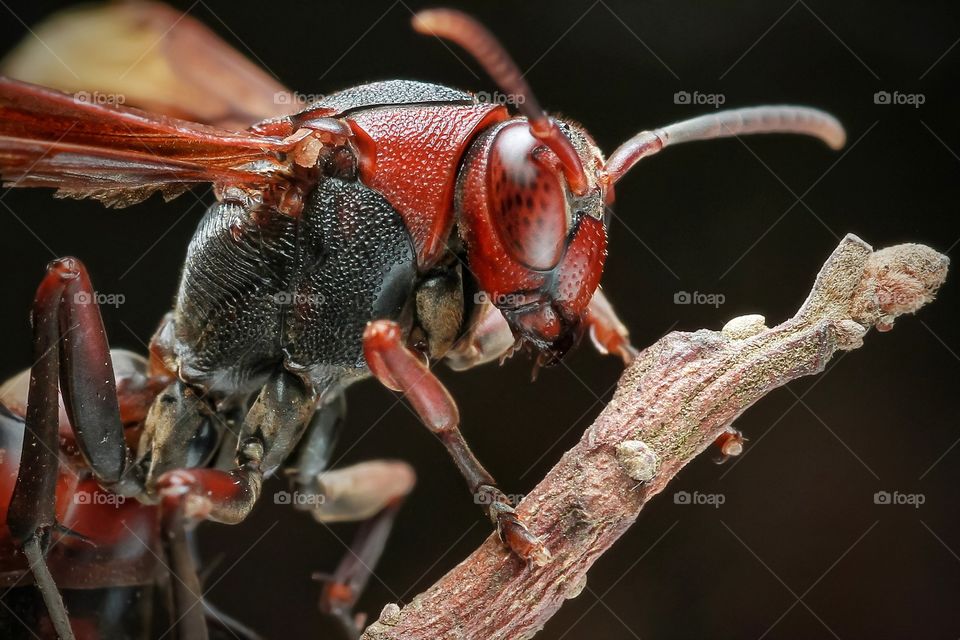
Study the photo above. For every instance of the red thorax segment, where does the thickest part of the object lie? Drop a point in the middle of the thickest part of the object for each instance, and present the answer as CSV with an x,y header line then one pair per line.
x,y
419,148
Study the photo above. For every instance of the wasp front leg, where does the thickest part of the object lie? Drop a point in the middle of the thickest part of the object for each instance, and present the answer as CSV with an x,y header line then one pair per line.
x,y
400,369
72,358
607,332
270,430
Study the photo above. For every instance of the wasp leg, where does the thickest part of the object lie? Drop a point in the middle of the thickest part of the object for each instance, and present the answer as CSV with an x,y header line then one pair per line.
x,y
190,611
350,494
316,447
729,445
607,332
371,491
270,430
175,433
87,380
356,492
400,369
187,607
488,337
343,588
72,356
32,505
70,347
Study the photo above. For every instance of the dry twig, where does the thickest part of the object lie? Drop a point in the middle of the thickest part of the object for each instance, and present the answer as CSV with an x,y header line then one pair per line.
x,y
671,404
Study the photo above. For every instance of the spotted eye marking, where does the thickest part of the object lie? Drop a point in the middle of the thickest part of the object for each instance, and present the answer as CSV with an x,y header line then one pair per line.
x,y
530,209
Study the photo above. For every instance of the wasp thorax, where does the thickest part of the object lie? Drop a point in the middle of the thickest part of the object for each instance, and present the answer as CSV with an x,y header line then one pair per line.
x,y
338,162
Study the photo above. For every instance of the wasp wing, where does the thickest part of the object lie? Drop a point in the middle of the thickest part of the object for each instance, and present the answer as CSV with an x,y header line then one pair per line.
x,y
121,155
152,56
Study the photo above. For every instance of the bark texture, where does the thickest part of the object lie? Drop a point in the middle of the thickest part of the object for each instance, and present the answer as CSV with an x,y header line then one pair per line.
x,y
679,395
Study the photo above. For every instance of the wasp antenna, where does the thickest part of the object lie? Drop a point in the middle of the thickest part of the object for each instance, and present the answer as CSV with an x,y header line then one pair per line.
x,y
461,29
725,124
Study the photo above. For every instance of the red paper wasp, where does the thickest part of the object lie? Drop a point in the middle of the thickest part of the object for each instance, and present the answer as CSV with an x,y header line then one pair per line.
x,y
379,230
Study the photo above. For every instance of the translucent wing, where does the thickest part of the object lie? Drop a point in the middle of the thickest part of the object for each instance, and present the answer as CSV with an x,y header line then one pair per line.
x,y
121,155
151,56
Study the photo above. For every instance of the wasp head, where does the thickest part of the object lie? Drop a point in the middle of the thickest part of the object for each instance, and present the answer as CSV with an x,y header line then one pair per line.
x,y
532,221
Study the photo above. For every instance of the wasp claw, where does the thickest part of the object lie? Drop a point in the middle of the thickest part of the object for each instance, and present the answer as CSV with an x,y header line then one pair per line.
x,y
179,489
518,537
64,530
628,353
730,445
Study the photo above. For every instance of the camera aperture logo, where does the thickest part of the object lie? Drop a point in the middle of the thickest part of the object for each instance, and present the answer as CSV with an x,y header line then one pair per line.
x,y
696,297
699,499
714,100
103,299
98,498
897,498
299,499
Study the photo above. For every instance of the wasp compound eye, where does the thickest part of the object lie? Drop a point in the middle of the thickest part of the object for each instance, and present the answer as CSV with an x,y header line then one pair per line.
x,y
529,206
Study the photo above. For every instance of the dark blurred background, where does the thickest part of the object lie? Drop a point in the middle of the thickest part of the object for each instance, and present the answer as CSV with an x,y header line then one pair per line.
x,y
798,548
